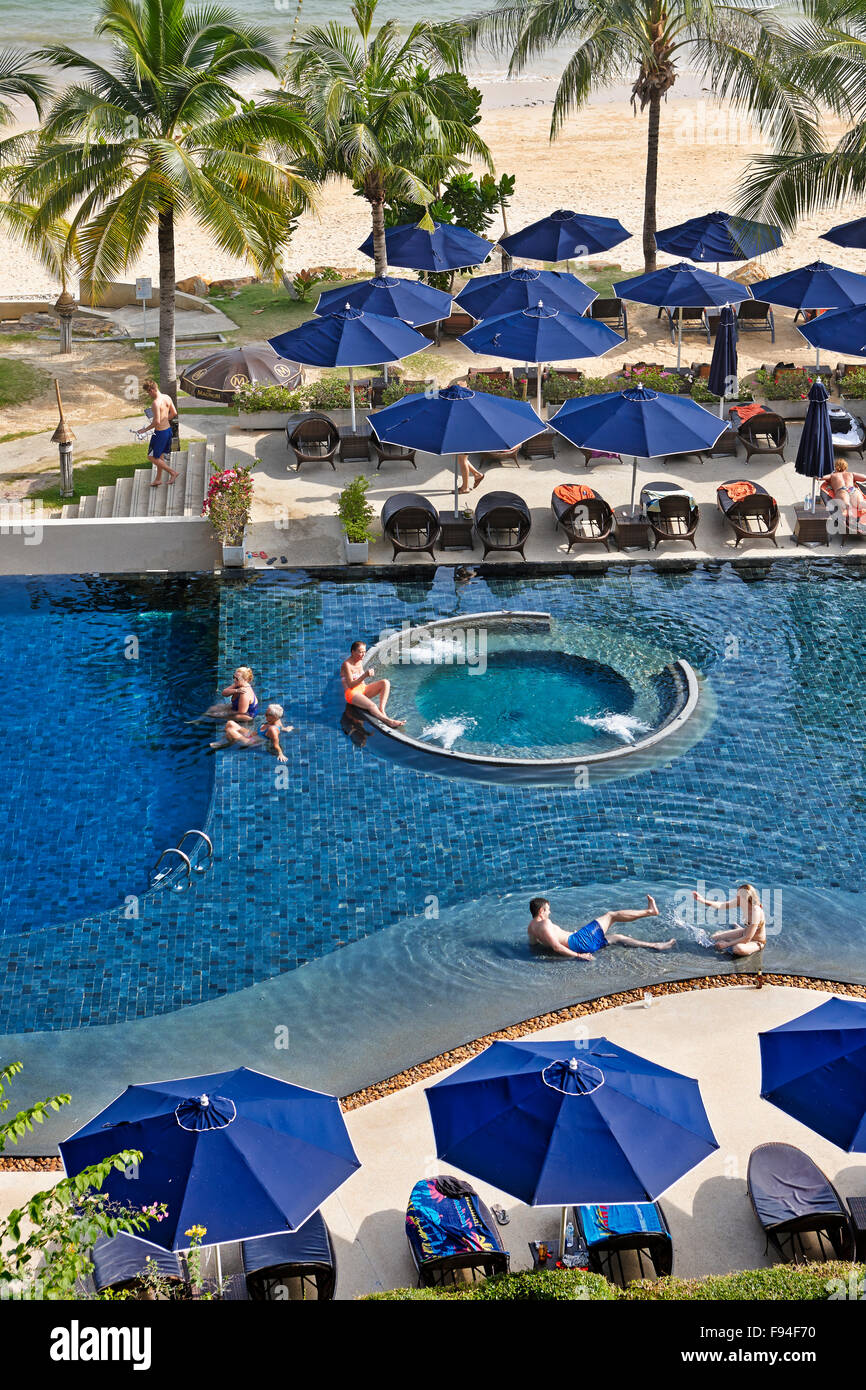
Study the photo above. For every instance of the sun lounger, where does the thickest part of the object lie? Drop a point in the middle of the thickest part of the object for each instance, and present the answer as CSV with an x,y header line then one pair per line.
x,y
588,520
848,431
393,453
755,316
847,525
673,513
411,523
120,1263
313,437
693,318
451,1233
503,522
292,1266
626,1242
752,517
540,446
765,433
800,1211
612,311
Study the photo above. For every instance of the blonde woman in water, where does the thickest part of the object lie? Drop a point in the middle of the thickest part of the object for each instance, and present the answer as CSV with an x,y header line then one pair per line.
x,y
752,935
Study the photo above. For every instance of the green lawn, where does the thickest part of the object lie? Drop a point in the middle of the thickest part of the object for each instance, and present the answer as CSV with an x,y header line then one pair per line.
x,y
90,475
20,382
17,434
263,311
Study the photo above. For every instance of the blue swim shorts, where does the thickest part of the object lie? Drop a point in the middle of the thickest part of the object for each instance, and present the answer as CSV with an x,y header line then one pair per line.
x,y
160,444
588,939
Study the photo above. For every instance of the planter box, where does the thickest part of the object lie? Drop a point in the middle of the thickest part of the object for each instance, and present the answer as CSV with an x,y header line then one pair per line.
x,y
233,556
787,409
357,552
262,420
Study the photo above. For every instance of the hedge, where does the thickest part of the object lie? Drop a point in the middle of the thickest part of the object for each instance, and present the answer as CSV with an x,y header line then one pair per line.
x,y
790,1283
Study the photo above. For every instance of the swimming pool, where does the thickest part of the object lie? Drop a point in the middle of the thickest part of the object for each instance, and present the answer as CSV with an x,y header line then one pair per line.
x,y
353,846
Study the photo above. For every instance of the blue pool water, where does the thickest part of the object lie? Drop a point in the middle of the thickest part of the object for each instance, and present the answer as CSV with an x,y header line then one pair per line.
x,y
350,845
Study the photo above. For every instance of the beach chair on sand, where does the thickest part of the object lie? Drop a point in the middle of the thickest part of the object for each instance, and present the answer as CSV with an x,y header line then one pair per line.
x,y
611,311
800,1211
626,1242
452,1235
694,320
294,1266
754,316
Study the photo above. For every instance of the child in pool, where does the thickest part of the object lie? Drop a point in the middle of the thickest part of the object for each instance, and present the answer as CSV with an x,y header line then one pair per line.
x,y
270,731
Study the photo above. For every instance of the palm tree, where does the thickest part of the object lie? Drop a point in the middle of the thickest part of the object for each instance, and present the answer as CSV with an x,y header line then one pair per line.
x,y
743,49
17,80
160,133
390,109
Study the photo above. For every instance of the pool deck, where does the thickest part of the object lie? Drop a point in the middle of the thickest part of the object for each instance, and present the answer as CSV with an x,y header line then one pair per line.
x,y
708,1034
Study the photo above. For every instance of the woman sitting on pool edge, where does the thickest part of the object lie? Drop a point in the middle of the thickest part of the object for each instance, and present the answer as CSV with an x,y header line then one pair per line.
x,y
361,695
248,738
584,943
752,935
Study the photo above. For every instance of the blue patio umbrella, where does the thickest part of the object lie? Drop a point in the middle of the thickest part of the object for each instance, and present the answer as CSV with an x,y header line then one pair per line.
x,y
719,236
815,451
390,296
563,235
239,1152
541,334
555,1123
645,424
814,1068
349,338
679,287
456,421
445,248
839,330
848,233
815,286
723,364
487,295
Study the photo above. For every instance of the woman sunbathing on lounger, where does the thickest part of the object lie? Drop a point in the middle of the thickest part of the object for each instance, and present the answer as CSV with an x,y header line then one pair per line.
x,y
841,487
584,943
752,935
361,695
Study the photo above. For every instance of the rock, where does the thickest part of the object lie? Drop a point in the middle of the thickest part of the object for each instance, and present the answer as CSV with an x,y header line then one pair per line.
x,y
194,285
237,283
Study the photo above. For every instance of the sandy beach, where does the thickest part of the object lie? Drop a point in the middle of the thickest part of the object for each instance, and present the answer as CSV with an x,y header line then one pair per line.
x,y
596,165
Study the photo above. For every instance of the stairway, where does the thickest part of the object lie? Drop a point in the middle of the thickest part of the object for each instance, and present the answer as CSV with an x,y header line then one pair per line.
x,y
133,496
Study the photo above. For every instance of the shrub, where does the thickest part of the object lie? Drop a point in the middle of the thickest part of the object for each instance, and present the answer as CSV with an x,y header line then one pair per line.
x,y
355,513
307,281
260,397
704,396
669,383
395,391
543,1286
495,386
783,386
229,502
854,385
332,393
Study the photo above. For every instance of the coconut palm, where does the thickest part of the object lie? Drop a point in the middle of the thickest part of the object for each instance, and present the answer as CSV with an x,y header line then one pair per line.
x,y
390,109
744,50
17,80
158,133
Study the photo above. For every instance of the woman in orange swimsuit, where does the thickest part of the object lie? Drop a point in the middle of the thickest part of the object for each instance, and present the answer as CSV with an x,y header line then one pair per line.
x,y
359,694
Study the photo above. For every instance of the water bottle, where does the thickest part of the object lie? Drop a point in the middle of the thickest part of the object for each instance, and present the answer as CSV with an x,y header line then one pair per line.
x,y
569,1238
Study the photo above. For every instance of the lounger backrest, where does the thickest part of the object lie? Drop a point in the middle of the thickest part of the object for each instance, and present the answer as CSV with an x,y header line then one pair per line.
x,y
753,309
413,519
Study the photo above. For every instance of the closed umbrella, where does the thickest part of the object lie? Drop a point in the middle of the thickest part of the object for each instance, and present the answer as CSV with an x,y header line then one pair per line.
x,y
719,236
563,235
394,298
349,338
486,295
815,451
814,1068
723,364
645,424
220,375
555,1125
456,421
238,1152
541,334
446,247
681,286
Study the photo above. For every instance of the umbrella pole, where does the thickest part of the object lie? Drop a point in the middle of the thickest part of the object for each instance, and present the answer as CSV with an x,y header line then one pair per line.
x,y
538,388
812,505
563,1222
679,336
219,1269
352,394
456,484
633,478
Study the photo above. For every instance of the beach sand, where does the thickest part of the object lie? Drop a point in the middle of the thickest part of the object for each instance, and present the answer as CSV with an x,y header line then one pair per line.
x,y
596,165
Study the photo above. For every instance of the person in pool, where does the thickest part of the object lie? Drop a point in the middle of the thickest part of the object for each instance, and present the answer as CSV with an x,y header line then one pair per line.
x,y
359,694
584,943
743,940
270,731
243,706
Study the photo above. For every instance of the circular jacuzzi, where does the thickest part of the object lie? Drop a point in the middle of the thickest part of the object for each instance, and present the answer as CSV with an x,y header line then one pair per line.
x,y
524,696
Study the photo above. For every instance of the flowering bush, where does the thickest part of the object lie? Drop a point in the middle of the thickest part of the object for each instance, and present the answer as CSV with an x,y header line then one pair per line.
x,y
307,281
229,502
496,386
853,385
260,397
332,393
704,396
655,379
556,388
790,384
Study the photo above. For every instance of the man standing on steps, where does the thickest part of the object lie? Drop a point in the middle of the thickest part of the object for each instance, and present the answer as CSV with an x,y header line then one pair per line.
x,y
163,411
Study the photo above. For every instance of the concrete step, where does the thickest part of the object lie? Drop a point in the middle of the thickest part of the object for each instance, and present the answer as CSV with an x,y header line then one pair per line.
x,y
177,492
105,500
69,511
194,483
87,505
140,496
157,497
123,496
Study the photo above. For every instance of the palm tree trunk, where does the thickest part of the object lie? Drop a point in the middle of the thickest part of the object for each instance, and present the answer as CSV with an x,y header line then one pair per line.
x,y
167,292
380,246
651,186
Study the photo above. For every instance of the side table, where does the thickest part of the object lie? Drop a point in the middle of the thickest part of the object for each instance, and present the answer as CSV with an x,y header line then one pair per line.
x,y
631,528
811,525
456,532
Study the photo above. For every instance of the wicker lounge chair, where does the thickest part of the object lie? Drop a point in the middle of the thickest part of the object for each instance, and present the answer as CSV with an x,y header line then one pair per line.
x,y
845,526
452,1235
800,1211
752,518
673,514
411,523
762,434
626,1242
540,446
848,431
501,455
393,453
292,1266
313,437
612,311
119,1264
586,522
503,522
755,316
726,446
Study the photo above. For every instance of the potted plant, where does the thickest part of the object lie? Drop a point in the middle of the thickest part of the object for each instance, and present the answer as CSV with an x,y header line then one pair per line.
x,y
852,385
263,407
785,389
356,516
227,506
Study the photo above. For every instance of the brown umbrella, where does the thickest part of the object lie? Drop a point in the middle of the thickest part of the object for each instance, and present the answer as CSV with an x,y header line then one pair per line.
x,y
219,375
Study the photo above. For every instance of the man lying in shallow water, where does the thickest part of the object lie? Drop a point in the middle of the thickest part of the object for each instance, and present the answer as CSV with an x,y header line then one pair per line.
x,y
584,943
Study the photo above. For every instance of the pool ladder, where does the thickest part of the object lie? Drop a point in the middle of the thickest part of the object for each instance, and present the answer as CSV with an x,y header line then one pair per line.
x,y
184,859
